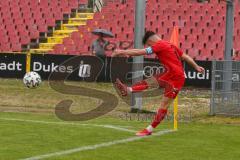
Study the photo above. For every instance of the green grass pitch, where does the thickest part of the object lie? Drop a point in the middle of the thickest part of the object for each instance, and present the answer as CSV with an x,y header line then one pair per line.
x,y
29,128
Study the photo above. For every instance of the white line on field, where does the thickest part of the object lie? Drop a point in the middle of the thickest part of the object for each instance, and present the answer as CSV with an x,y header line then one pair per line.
x,y
69,123
93,147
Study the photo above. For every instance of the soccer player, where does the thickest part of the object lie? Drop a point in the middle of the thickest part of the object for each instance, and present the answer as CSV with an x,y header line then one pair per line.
x,y
172,80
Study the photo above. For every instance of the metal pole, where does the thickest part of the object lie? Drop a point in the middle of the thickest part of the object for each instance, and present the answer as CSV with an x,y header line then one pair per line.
x,y
228,48
138,61
229,30
212,103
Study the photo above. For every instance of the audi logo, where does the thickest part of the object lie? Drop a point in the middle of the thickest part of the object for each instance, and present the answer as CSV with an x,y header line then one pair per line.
x,y
149,71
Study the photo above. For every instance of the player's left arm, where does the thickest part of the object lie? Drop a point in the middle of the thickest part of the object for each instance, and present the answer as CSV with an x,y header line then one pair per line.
x,y
192,63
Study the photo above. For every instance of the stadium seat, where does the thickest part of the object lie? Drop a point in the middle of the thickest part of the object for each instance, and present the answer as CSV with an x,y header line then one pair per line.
x,y
202,25
58,49
36,16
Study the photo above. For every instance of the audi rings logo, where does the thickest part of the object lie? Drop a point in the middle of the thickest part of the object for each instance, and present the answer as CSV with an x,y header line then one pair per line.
x,y
149,71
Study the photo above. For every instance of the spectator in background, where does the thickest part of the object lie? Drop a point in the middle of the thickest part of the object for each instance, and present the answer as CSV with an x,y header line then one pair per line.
x,y
98,46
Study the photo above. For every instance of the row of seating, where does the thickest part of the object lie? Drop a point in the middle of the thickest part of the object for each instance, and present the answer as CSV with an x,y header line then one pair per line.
x,y
202,26
23,20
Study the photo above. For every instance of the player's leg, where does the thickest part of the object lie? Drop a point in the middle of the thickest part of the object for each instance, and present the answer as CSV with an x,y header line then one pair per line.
x,y
161,113
158,118
149,83
138,87
172,87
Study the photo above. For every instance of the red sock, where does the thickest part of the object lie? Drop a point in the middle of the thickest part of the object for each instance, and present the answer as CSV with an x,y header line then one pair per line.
x,y
161,113
140,86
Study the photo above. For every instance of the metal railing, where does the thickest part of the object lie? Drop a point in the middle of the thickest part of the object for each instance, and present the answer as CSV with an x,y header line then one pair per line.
x,y
225,99
97,5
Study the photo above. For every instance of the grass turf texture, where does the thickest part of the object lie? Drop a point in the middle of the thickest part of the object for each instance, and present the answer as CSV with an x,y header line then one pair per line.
x,y
204,137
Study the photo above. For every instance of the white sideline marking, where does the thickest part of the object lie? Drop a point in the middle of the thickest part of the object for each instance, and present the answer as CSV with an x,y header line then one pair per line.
x,y
68,123
96,146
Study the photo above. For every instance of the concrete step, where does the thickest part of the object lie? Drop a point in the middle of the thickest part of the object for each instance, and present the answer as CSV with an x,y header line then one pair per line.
x,y
56,39
40,51
77,20
46,45
72,26
63,32
85,15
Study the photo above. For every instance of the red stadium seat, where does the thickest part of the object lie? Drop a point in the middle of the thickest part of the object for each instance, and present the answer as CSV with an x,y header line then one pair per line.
x,y
5,47
16,47
68,41
71,49
33,32
202,25
58,49
34,16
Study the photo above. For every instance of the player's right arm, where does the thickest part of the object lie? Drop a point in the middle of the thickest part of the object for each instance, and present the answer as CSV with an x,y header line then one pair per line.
x,y
132,52
192,63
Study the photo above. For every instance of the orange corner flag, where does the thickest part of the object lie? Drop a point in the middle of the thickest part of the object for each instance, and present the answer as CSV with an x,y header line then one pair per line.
x,y
175,36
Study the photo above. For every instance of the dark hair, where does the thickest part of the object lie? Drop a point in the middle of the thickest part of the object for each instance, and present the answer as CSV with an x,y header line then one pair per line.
x,y
147,35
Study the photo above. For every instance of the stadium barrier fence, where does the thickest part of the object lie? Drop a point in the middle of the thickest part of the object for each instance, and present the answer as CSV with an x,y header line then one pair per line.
x,y
91,68
225,99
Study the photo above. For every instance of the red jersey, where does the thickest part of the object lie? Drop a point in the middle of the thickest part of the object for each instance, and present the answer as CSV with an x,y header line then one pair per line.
x,y
170,57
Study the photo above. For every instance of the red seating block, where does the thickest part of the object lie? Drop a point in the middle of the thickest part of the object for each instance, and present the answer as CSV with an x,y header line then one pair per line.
x,y
202,25
16,47
26,18
70,49
58,49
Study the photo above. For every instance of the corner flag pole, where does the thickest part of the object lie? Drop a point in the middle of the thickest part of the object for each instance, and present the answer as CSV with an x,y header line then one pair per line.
x,y
28,62
175,40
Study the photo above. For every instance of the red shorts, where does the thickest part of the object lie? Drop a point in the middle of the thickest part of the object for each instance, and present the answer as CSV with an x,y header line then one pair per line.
x,y
172,84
